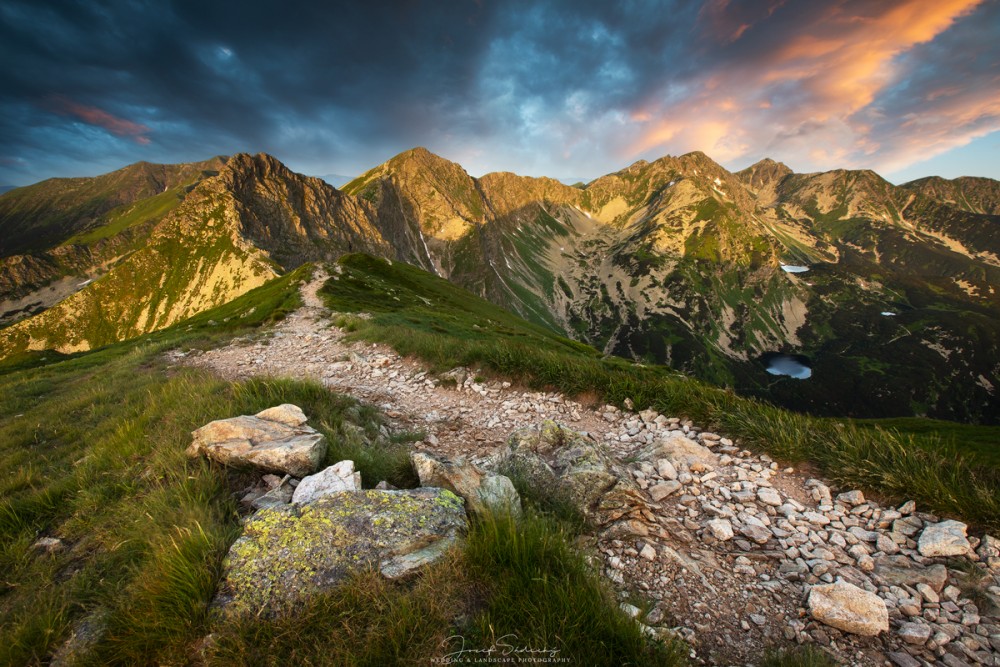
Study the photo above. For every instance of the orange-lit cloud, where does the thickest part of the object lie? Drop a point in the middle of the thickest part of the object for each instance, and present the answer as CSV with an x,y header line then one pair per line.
x,y
120,127
805,84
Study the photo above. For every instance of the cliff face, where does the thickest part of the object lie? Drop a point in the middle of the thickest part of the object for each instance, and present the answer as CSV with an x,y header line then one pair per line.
x,y
297,219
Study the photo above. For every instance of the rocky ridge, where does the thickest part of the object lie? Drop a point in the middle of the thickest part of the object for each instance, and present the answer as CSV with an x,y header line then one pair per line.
x,y
733,551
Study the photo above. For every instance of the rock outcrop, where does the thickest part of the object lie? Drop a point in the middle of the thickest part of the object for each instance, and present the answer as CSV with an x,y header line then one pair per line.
x,y
585,472
289,553
266,441
482,490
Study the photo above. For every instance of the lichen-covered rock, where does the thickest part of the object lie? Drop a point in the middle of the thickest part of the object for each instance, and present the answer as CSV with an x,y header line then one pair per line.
x,y
268,443
989,551
579,464
83,637
846,607
550,456
947,538
333,479
482,490
288,553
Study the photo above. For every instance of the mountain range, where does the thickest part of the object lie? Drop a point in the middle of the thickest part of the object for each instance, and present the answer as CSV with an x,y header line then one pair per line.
x,y
887,294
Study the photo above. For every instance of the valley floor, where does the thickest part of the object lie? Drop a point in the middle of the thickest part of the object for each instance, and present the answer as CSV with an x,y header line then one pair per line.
x,y
730,599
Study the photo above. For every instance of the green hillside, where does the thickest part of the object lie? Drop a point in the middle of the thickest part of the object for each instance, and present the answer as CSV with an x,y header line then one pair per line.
x,y
58,210
96,441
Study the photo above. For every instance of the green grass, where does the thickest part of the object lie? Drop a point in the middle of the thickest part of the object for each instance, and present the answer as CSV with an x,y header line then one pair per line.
x,y
517,584
94,445
804,656
124,217
542,595
98,455
423,316
367,621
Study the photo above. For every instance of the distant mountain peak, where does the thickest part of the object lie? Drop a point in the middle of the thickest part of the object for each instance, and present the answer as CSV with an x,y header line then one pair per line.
x,y
764,174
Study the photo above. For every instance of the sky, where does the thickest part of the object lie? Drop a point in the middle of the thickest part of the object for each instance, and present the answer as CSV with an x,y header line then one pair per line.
x,y
572,89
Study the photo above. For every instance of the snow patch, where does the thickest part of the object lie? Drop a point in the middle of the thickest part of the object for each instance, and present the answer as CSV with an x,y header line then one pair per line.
x,y
792,268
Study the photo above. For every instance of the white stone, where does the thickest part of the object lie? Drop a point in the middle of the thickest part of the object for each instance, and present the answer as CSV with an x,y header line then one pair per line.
x,y
666,469
915,633
338,477
720,529
262,443
816,518
947,538
769,496
851,498
846,607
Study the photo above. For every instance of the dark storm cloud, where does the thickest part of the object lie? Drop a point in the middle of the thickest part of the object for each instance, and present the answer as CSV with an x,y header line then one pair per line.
x,y
557,87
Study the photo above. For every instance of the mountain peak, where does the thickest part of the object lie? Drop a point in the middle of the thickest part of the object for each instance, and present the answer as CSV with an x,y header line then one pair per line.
x,y
243,168
763,174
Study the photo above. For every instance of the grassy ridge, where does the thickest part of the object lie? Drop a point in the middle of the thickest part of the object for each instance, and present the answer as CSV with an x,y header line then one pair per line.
x,y
95,443
119,219
424,316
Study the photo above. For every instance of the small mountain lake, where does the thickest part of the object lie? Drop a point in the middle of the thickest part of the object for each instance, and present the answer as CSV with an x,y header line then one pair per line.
x,y
792,365
793,268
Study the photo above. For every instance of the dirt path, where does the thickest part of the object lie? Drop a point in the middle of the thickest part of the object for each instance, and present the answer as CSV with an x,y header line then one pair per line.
x,y
731,598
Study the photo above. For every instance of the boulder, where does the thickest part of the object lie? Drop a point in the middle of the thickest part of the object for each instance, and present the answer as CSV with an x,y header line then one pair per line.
x,y
279,495
989,551
482,490
846,607
289,553
338,477
552,455
947,538
269,444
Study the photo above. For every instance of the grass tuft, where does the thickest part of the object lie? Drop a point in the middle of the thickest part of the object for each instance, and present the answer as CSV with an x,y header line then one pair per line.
x,y
542,595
